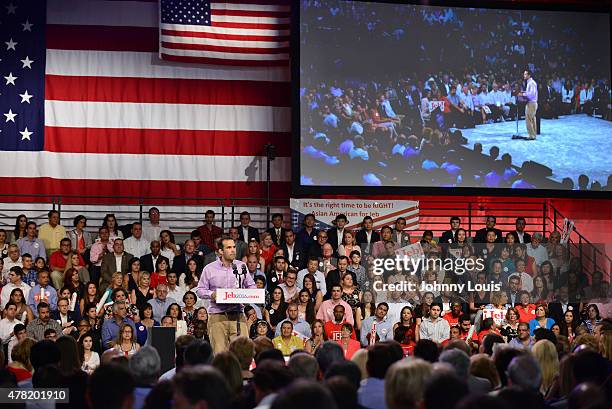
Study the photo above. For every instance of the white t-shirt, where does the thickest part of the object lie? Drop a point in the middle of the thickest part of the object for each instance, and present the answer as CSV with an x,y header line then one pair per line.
x,y
6,327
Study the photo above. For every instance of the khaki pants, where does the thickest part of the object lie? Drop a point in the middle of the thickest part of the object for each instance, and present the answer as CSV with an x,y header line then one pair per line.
x,y
530,118
222,329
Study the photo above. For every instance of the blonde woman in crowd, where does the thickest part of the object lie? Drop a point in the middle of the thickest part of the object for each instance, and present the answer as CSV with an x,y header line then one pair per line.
x,y
545,353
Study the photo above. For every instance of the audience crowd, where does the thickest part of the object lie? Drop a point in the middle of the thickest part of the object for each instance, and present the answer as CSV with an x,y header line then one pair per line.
x,y
367,126
530,327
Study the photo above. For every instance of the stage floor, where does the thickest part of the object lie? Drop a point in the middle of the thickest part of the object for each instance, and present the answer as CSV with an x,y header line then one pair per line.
x,y
571,145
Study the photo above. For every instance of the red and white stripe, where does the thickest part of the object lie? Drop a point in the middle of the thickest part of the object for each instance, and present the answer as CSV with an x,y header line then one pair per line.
x,y
251,33
411,214
121,122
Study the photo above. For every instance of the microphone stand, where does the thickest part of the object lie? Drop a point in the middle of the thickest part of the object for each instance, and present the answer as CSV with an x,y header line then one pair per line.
x,y
239,280
517,135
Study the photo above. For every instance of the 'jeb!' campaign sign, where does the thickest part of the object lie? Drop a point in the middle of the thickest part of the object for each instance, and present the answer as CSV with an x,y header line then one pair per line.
x,y
436,104
241,296
498,315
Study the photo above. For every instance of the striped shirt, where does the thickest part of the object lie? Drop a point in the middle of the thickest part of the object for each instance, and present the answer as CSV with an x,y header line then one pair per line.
x,y
36,329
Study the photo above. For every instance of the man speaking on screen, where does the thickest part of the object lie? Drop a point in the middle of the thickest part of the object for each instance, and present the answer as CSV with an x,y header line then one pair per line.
x,y
531,96
226,321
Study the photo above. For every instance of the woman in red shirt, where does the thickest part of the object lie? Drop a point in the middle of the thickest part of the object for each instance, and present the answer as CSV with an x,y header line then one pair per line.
x,y
348,344
21,366
525,309
404,331
267,248
159,277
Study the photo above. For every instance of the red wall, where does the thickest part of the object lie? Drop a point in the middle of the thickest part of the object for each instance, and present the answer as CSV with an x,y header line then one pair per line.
x,y
592,217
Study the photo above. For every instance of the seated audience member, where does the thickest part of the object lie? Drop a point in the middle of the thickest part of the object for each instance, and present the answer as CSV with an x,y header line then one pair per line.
x,y
125,343
67,319
377,327
434,327
90,357
110,327
304,366
300,326
137,245
19,363
287,342
15,280
42,292
387,384
179,264
244,350
347,341
333,327
30,243
460,361
149,262
117,260
371,393
312,268
525,372
111,386
326,311
145,366
161,302
270,378
58,261
540,320
36,329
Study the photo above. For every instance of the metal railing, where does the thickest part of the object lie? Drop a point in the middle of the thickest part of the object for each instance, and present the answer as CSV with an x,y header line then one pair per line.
x,y
187,213
182,214
592,258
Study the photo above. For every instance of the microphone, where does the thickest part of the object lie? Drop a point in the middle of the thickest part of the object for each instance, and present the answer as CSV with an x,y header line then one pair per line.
x,y
238,275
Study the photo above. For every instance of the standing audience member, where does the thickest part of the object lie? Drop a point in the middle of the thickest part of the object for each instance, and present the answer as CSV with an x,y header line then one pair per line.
x,y
52,232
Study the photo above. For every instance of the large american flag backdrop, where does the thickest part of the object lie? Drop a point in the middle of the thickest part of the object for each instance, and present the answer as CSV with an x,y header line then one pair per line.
x,y
91,105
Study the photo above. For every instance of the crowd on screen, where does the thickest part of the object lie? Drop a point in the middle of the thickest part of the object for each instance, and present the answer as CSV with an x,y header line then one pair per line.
x,y
378,127
78,307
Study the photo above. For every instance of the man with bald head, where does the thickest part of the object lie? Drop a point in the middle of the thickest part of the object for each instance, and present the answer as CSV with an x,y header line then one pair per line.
x,y
136,244
149,261
316,248
179,265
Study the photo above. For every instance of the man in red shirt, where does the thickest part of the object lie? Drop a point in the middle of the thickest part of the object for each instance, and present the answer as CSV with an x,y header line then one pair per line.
x,y
455,333
488,327
465,324
333,329
209,231
454,314
58,261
